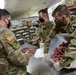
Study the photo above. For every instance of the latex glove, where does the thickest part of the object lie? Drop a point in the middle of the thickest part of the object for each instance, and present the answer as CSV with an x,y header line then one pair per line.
x,y
57,66
46,56
41,45
34,41
28,53
32,50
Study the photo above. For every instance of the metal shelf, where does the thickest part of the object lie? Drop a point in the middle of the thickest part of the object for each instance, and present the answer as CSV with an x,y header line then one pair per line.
x,y
24,31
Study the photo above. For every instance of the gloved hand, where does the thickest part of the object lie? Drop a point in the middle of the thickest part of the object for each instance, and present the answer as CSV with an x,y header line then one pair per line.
x,y
72,65
46,56
57,66
28,53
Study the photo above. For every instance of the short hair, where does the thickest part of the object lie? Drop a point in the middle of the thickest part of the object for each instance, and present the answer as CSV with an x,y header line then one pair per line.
x,y
37,21
62,10
44,11
4,12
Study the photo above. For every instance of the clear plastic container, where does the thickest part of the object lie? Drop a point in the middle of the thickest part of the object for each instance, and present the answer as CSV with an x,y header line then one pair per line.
x,y
55,42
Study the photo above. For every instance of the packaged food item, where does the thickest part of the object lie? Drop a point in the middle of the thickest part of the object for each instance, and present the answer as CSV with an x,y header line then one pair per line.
x,y
59,52
24,22
58,46
29,23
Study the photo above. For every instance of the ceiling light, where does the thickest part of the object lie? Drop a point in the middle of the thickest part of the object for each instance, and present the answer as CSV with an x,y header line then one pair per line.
x,y
2,3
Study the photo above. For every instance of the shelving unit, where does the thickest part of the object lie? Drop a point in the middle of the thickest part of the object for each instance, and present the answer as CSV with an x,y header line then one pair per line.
x,y
72,6
72,9
25,32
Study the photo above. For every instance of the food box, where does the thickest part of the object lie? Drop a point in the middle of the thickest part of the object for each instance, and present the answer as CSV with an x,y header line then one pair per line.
x,y
24,22
57,41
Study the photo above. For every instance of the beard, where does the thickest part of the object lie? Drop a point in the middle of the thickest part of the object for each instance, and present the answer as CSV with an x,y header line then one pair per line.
x,y
60,23
60,26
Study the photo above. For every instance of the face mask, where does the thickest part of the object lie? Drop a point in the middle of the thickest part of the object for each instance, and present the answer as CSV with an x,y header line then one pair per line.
x,y
36,25
41,20
9,24
60,23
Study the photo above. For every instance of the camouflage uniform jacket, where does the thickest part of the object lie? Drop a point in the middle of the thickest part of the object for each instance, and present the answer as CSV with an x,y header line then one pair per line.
x,y
70,55
12,60
70,28
44,30
55,30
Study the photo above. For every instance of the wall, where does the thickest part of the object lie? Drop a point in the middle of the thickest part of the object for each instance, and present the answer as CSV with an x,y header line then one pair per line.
x,y
18,21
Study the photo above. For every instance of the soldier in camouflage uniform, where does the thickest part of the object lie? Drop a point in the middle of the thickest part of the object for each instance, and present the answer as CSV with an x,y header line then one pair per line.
x,y
12,60
64,24
45,26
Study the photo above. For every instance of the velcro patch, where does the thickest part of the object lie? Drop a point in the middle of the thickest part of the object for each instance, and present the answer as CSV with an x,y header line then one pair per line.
x,y
9,38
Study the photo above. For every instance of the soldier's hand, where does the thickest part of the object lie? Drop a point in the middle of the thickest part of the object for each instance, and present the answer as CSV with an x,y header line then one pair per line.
x,y
57,66
46,56
29,53
34,41
32,50
72,65
24,50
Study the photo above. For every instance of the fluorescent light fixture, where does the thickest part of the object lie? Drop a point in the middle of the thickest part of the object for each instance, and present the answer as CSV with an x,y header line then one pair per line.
x,y
2,3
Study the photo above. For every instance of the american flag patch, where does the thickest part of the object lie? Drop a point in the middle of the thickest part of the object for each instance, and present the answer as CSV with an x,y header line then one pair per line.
x,y
9,38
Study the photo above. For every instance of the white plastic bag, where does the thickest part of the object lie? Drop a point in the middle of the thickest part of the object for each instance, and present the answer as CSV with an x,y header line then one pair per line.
x,y
72,65
39,53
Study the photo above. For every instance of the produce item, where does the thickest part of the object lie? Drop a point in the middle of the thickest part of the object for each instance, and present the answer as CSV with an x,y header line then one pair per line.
x,y
59,52
32,50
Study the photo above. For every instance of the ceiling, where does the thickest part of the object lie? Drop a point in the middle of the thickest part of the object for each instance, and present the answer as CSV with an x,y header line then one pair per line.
x,y
26,8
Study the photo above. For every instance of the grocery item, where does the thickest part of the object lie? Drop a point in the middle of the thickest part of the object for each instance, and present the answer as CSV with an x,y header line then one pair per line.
x,y
59,52
32,50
